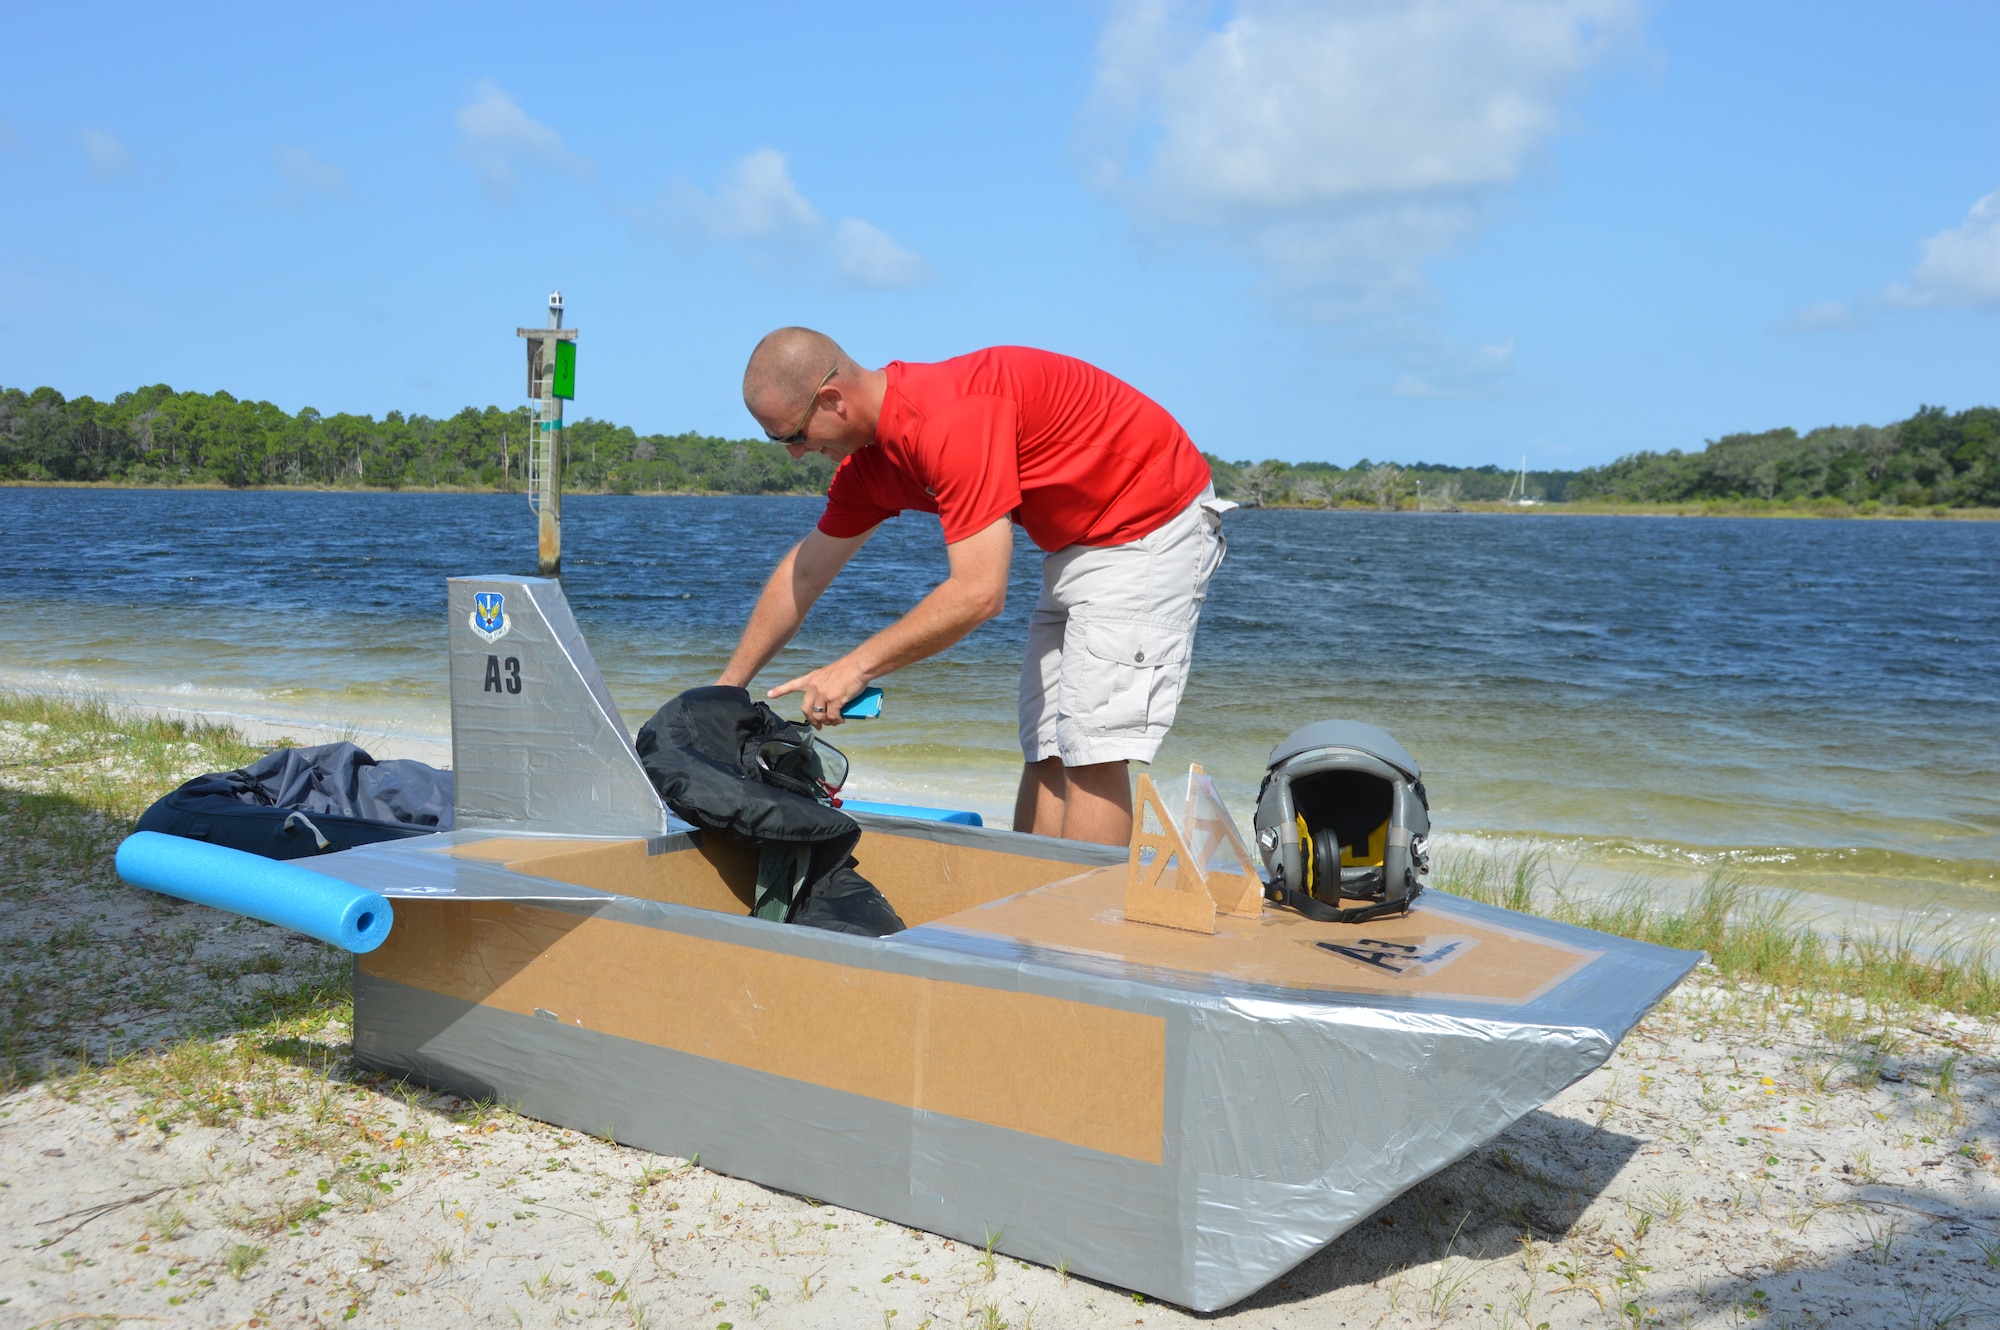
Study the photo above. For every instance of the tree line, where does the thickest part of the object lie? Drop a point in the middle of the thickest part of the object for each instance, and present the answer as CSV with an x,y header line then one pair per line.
x,y
157,436
1934,458
1366,484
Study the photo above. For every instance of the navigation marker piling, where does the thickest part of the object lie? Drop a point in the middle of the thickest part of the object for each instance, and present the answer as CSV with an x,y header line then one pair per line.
x,y
551,381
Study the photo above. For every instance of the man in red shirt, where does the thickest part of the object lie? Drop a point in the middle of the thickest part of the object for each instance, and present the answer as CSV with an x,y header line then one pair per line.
x,y
1099,476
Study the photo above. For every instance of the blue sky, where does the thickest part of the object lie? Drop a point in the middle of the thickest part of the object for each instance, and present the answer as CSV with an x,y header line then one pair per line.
x,y
1455,230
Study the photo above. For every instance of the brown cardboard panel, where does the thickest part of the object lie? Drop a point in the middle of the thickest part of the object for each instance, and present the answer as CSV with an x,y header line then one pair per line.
x,y
922,879
681,877
1237,893
1421,953
511,849
1070,1071
1089,1075
926,880
430,938
1171,899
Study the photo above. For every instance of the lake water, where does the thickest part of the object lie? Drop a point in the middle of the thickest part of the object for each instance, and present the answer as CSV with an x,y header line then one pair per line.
x,y
1816,703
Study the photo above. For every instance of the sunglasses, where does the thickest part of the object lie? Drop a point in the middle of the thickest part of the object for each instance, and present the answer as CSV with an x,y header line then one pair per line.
x,y
799,435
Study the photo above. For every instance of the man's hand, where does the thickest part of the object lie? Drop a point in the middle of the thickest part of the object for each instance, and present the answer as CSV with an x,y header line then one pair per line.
x,y
975,592
826,690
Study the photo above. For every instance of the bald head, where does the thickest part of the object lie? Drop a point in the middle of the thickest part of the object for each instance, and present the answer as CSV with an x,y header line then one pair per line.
x,y
787,366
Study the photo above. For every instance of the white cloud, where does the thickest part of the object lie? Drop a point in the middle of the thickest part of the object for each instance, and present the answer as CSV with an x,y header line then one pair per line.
x,y
759,205
107,154
503,143
1352,264
758,202
1341,146
306,175
1960,266
867,256
1446,370
1826,316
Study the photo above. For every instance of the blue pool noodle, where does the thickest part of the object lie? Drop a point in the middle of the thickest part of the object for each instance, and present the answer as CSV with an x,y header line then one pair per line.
x,y
964,819
306,902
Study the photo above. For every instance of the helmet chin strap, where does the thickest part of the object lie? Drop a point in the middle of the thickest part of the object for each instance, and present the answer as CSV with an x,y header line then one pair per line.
x,y
1324,883
1280,894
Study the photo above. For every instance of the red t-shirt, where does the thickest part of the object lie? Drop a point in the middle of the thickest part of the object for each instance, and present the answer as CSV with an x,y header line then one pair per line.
x,y
1076,456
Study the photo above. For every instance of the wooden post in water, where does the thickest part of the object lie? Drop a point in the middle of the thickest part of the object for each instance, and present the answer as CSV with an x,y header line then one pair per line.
x,y
551,381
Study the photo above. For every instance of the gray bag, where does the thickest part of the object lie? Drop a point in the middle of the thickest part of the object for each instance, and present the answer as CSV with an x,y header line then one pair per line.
x,y
293,803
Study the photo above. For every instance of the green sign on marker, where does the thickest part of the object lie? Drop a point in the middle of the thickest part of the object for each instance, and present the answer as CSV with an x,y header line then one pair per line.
x,y
565,376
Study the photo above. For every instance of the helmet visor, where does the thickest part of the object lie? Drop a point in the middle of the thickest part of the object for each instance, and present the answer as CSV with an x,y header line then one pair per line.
x,y
812,763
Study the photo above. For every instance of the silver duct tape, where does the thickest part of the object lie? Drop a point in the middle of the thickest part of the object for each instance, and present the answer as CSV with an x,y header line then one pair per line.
x,y
925,1170
1289,1115
1303,1094
427,869
535,737
441,877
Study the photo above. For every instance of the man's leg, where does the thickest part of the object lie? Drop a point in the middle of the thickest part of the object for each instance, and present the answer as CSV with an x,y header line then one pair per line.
x,y
1099,806
1038,808
1128,621
1091,803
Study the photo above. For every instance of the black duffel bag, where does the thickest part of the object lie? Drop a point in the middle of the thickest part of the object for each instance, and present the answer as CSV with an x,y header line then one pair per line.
x,y
737,770
297,802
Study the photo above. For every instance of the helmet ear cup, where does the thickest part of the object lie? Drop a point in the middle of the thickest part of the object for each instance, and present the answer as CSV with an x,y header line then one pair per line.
x,y
1326,864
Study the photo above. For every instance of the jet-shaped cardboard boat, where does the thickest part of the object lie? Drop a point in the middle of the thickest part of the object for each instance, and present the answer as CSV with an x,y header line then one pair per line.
x,y
1183,1112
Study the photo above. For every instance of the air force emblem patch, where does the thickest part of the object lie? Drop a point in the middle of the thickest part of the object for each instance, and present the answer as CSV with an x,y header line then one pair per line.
x,y
489,616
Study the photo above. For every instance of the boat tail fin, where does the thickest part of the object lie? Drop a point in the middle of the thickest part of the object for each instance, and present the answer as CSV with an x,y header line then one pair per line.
x,y
537,744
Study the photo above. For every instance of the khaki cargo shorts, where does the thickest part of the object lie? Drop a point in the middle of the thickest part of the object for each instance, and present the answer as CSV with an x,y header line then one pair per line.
x,y
1111,638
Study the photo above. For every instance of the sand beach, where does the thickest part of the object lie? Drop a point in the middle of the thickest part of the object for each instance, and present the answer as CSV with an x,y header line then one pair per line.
x,y
185,1140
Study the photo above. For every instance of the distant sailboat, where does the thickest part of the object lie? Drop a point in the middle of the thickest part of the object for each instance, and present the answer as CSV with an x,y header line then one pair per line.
x,y
1517,493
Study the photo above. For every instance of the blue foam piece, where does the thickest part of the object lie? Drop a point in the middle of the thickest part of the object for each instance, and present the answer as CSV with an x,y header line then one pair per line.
x,y
306,902
911,810
864,705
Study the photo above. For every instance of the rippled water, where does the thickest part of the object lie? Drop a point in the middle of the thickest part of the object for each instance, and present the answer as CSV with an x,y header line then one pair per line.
x,y
1815,701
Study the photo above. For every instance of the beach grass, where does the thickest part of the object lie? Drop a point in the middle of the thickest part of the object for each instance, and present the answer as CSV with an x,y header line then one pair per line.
x,y
91,969
1749,934
103,759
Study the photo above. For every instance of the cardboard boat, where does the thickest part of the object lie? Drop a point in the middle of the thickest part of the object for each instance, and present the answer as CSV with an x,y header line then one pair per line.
x,y
1187,1107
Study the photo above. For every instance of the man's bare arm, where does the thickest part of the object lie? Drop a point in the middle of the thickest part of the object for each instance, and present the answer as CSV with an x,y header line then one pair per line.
x,y
975,592
799,580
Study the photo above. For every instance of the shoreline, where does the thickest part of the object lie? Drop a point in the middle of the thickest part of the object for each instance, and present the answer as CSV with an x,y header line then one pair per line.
x,y
1684,508
568,491
1962,918
261,731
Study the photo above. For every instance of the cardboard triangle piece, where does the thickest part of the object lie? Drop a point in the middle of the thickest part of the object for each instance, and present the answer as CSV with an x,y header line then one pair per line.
x,y
1163,883
1219,850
